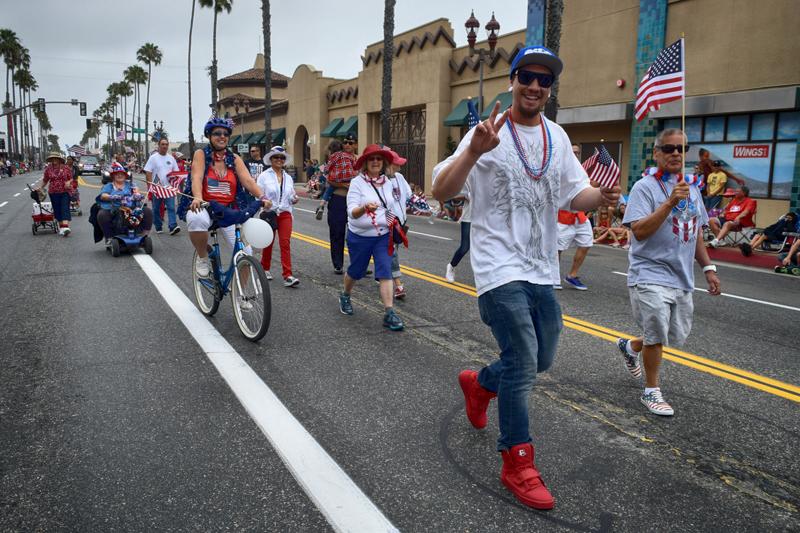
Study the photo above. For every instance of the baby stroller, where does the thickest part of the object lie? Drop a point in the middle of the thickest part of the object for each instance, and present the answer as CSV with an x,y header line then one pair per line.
x,y
42,213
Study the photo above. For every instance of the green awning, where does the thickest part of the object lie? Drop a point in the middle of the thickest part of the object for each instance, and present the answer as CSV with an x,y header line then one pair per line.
x,y
246,139
330,129
458,116
257,138
278,136
505,99
234,140
350,127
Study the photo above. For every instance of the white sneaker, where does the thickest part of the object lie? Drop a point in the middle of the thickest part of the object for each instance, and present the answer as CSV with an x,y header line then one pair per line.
x,y
244,304
714,243
202,267
269,276
291,281
66,232
450,275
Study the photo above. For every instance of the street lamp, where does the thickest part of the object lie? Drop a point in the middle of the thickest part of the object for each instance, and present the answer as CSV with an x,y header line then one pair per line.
x,y
492,28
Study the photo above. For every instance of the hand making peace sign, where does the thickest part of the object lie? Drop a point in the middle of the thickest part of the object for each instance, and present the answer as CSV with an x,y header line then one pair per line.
x,y
487,133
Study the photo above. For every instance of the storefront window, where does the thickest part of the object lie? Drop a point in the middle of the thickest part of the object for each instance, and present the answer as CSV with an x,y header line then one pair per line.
x,y
714,130
763,126
749,161
783,170
672,124
737,127
789,125
694,129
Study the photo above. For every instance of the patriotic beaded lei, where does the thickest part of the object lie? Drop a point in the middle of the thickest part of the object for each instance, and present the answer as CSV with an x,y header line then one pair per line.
x,y
547,155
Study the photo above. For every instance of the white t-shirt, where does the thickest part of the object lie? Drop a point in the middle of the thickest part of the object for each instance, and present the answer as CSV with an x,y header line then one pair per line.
x,y
401,192
160,166
281,194
514,229
360,193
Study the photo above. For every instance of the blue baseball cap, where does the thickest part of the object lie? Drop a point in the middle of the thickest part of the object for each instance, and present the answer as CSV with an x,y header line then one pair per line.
x,y
537,55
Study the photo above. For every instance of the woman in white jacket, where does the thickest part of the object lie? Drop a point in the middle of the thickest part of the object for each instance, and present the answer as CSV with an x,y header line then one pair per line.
x,y
278,187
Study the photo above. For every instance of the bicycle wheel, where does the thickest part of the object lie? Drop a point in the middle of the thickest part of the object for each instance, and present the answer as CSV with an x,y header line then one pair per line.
x,y
205,290
252,304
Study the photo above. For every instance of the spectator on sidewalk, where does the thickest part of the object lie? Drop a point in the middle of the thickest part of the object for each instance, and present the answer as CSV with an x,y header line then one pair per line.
x,y
788,223
737,216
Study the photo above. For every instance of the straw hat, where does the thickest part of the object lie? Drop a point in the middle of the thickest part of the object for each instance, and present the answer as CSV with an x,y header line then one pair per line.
x,y
55,155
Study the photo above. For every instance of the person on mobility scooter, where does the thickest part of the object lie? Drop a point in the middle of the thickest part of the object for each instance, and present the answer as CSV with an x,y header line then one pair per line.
x,y
120,215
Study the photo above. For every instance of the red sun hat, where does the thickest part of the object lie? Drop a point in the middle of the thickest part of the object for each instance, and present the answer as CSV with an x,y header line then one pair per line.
x,y
729,192
397,159
373,149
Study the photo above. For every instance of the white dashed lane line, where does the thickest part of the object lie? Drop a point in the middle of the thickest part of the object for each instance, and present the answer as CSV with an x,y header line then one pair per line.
x,y
17,194
4,203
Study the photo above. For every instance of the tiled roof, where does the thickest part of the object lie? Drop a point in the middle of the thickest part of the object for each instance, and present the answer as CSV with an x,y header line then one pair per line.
x,y
254,74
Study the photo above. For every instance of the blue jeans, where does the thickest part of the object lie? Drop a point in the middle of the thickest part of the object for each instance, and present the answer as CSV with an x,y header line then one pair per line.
x,y
327,193
526,322
170,208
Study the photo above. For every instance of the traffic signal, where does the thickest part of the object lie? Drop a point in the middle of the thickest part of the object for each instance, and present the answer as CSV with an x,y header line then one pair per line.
x,y
88,123
118,124
83,109
41,104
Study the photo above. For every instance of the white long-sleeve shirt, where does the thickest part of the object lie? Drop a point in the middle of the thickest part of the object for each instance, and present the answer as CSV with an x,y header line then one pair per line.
x,y
360,193
281,194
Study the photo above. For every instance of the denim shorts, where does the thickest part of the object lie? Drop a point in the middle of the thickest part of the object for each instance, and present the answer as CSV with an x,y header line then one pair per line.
x,y
362,249
663,313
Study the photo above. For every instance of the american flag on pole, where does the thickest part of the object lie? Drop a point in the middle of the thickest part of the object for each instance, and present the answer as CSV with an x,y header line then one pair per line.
x,y
177,178
76,149
472,114
161,191
604,170
664,81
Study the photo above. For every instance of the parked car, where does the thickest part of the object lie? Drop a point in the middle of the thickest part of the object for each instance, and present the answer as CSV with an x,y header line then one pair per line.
x,y
89,164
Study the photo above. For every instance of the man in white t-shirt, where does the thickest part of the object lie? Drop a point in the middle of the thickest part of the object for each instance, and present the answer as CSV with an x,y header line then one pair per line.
x,y
159,164
520,170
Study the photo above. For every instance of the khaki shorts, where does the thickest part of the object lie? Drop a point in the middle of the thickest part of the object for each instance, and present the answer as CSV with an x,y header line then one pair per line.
x,y
580,234
663,313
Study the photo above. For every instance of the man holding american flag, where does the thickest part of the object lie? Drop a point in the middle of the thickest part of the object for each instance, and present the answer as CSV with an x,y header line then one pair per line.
x,y
157,170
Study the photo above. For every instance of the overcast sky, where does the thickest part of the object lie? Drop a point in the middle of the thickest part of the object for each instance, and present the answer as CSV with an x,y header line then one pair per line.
x,y
78,48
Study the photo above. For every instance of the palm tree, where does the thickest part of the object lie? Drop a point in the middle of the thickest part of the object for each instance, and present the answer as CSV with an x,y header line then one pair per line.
x,y
53,140
552,40
25,82
189,77
388,56
125,90
113,101
136,75
266,29
9,42
150,55
218,6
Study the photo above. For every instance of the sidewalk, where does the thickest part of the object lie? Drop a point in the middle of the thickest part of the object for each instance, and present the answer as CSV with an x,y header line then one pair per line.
x,y
734,255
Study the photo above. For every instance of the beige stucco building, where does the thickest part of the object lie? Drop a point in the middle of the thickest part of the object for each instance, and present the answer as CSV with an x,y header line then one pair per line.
x,y
742,69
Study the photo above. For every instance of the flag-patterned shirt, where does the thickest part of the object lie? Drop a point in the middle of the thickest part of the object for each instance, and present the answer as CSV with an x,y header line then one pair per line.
x,y
222,190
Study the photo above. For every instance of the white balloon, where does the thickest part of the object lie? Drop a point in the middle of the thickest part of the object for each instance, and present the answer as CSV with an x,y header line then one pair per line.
x,y
257,232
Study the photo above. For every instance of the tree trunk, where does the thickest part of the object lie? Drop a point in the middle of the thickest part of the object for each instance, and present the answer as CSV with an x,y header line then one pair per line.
x,y
139,118
147,115
214,66
15,129
189,73
265,27
388,56
552,40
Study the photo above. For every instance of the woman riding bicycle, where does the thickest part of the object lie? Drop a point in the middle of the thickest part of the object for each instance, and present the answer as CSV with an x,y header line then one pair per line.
x,y
218,175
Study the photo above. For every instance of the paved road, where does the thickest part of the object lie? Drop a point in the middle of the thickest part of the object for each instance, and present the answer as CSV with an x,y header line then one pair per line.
x,y
113,418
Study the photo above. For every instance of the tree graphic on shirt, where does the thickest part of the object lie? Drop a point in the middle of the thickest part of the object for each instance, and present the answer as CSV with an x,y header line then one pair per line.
x,y
516,192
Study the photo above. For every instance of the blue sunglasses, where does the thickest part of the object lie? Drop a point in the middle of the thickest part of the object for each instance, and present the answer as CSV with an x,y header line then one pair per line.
x,y
526,77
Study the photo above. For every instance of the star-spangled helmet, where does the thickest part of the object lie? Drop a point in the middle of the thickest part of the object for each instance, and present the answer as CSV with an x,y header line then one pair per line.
x,y
116,167
218,122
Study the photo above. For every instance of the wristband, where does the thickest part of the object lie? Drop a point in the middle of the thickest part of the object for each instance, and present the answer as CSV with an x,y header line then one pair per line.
x,y
709,268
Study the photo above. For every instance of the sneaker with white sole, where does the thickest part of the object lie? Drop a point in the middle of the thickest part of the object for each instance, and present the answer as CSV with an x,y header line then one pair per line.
x,y
656,403
202,267
631,361
269,276
291,281
175,230
244,304
714,243
450,274
107,243
67,231
577,283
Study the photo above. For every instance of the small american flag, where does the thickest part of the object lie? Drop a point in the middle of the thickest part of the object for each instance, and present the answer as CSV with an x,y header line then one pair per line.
x,y
177,178
589,163
663,82
472,114
160,191
605,171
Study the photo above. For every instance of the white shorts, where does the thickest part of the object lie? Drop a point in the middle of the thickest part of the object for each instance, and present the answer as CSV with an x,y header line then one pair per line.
x,y
580,234
663,313
201,221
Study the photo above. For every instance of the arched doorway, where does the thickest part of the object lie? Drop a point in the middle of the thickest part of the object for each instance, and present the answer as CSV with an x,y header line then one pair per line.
x,y
301,151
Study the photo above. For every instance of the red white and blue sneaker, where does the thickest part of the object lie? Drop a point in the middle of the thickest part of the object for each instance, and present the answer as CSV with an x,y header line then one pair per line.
x,y
656,404
631,361
577,283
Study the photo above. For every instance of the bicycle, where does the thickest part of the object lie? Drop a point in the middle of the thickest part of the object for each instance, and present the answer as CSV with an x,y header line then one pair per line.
x,y
244,279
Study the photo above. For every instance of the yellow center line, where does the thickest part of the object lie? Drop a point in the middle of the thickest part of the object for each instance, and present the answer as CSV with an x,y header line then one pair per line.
x,y
703,364
83,183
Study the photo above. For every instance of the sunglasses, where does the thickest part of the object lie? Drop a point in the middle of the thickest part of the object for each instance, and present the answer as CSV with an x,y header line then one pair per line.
x,y
373,158
281,157
670,148
526,77
220,134
348,142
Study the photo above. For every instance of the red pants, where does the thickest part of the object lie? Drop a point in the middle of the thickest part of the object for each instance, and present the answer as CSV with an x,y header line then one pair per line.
x,y
284,239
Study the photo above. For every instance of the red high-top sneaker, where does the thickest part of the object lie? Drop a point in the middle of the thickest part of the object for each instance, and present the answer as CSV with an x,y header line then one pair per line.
x,y
476,398
520,476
